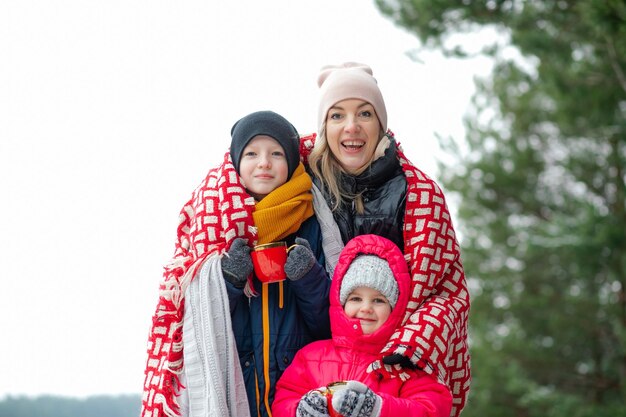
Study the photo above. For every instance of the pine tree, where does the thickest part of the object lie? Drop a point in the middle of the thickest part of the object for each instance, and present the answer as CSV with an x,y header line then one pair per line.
x,y
541,184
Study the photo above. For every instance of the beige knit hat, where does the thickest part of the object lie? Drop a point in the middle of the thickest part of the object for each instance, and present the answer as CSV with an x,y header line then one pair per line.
x,y
349,80
369,271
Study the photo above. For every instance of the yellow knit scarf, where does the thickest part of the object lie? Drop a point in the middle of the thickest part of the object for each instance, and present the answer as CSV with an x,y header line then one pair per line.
x,y
282,211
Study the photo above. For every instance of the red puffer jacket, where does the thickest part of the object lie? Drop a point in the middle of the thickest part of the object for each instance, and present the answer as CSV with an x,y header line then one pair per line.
x,y
348,354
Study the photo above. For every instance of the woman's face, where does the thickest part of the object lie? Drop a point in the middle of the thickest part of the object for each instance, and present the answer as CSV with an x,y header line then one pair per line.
x,y
352,132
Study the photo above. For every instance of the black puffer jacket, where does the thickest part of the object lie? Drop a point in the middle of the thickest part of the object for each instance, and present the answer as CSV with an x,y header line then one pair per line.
x,y
383,188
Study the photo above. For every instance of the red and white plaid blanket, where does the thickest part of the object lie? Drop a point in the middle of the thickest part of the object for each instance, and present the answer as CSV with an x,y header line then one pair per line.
x,y
435,332
219,211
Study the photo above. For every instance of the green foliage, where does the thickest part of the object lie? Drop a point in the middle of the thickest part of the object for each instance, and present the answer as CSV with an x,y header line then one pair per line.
x,y
541,179
53,406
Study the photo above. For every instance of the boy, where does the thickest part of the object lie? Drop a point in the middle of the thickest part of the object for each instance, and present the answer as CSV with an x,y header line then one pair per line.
x,y
220,339
368,297
271,322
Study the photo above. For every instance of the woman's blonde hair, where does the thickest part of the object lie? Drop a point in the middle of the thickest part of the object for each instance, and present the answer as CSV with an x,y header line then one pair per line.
x,y
325,166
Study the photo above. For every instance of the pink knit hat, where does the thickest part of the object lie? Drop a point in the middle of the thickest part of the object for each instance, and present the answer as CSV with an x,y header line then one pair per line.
x,y
349,80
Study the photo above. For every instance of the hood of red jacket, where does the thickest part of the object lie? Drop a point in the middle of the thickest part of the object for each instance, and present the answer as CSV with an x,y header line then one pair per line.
x,y
347,331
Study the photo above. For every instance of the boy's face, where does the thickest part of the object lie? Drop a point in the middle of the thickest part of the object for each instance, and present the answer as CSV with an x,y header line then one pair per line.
x,y
368,305
263,166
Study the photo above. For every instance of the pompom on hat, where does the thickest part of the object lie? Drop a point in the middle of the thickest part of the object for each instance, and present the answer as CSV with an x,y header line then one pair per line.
x,y
265,123
349,80
369,271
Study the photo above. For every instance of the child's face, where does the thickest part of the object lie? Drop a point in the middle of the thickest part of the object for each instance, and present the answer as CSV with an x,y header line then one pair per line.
x,y
370,306
263,166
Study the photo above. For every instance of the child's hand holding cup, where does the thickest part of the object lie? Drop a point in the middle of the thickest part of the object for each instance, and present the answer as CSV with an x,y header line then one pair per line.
x,y
352,399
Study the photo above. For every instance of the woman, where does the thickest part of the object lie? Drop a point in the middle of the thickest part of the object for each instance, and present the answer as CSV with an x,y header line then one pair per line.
x,y
372,188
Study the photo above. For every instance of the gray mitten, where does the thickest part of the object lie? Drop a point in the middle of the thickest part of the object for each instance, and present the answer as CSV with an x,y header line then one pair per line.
x,y
300,260
237,264
312,404
357,400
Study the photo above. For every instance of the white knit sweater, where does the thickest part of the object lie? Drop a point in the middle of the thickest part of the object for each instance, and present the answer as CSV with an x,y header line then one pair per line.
x,y
212,374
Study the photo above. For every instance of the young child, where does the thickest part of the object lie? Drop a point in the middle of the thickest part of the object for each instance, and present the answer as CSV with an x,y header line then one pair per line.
x,y
368,297
271,322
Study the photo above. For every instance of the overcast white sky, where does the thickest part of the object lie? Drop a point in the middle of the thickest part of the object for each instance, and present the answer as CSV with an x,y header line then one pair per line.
x,y
111,112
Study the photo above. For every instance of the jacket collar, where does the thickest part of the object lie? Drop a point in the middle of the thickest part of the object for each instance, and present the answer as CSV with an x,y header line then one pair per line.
x,y
377,174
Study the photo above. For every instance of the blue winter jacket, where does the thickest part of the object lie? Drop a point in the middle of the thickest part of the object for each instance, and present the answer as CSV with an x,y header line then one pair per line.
x,y
271,328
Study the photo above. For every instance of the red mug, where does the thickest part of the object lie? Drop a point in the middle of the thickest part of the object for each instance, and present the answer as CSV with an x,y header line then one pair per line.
x,y
331,389
269,261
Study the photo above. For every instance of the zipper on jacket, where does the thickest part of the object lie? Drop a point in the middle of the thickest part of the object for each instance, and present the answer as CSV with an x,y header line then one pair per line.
x,y
266,347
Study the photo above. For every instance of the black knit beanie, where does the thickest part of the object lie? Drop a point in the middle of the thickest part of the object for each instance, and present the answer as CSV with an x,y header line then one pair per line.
x,y
270,124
